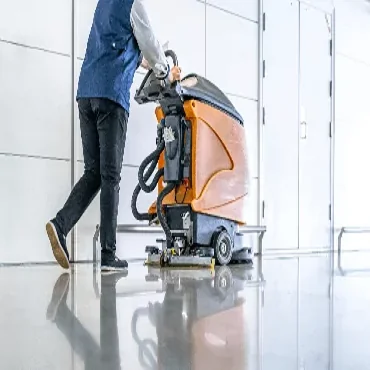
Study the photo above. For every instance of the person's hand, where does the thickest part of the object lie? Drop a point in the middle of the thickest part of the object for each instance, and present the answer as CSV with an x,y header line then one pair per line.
x,y
175,74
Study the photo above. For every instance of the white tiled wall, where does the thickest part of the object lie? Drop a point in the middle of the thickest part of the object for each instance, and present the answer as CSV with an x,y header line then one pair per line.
x,y
35,102
232,53
244,8
85,14
38,23
35,124
185,32
32,190
352,179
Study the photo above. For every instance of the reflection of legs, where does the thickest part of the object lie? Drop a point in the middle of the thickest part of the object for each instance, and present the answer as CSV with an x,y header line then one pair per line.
x,y
79,338
109,339
82,342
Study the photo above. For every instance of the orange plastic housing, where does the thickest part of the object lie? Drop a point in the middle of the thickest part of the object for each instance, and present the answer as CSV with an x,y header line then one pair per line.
x,y
219,165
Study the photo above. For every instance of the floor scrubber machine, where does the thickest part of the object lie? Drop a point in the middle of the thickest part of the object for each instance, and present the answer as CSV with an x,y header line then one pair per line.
x,y
201,177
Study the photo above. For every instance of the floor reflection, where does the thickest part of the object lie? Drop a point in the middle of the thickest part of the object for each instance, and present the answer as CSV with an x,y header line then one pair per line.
x,y
199,324
288,313
197,316
94,356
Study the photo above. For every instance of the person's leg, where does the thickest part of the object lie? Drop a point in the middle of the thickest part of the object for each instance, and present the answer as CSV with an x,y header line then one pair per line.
x,y
112,126
89,184
84,191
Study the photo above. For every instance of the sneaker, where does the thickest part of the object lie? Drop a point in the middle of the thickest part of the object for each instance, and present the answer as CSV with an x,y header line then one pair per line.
x,y
60,293
113,264
58,244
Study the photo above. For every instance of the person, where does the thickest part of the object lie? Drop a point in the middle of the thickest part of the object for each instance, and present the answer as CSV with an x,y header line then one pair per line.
x,y
121,39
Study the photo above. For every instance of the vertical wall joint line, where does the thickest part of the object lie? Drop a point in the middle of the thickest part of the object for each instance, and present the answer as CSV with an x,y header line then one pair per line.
x,y
73,136
261,110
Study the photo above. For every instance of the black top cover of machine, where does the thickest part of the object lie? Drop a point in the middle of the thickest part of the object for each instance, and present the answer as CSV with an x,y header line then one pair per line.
x,y
199,88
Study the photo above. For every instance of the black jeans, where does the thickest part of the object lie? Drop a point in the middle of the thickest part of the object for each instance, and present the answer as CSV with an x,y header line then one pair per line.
x,y
103,131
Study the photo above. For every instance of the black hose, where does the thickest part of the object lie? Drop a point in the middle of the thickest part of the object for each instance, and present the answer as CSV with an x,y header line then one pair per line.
x,y
161,216
143,178
144,216
151,159
138,216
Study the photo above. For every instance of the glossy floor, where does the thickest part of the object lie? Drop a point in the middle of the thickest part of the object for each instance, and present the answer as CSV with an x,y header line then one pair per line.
x,y
293,313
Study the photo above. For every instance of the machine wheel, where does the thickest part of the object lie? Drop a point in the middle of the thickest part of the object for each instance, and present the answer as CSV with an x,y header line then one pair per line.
x,y
223,247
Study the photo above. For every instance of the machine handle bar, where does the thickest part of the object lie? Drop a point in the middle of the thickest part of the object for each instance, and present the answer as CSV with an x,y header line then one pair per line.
x,y
167,53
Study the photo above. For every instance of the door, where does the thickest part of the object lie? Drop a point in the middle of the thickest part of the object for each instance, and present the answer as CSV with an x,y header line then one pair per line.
x,y
281,129
315,111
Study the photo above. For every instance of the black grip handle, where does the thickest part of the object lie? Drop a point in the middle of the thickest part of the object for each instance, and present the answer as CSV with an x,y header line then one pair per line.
x,y
167,53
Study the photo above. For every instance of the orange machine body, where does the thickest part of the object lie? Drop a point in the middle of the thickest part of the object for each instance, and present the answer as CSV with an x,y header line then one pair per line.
x,y
219,165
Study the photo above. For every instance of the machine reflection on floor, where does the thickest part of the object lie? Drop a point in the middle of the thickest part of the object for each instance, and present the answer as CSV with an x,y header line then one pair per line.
x,y
199,321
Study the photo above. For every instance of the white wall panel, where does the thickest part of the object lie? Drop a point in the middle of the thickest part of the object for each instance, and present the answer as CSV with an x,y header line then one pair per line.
x,y
232,53
31,192
352,88
185,31
85,15
324,5
245,8
353,28
248,109
352,180
35,102
78,140
141,129
128,184
40,23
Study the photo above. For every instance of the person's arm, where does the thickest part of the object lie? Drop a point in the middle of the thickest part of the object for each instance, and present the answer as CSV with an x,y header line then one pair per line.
x,y
150,47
